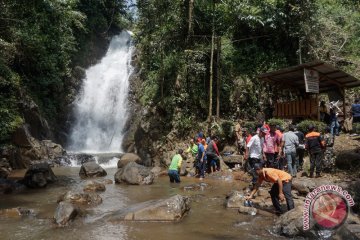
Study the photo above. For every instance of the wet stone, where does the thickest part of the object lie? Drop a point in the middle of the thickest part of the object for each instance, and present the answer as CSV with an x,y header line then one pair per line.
x,y
94,186
81,199
235,199
91,169
64,213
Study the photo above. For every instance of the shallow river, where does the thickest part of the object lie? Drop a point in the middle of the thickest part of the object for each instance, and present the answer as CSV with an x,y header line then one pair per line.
x,y
207,219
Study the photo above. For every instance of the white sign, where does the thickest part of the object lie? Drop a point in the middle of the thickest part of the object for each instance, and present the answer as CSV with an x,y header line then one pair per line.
x,y
311,81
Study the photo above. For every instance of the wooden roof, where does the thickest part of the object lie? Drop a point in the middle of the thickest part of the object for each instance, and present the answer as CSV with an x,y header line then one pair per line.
x,y
293,77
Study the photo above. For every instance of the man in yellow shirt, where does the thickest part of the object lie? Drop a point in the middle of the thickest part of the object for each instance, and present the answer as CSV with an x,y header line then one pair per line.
x,y
175,167
281,188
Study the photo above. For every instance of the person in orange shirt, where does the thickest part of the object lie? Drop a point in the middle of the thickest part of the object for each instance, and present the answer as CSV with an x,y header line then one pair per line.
x,y
280,190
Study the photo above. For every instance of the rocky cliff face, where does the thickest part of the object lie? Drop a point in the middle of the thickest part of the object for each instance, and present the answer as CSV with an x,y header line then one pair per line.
x,y
147,132
144,127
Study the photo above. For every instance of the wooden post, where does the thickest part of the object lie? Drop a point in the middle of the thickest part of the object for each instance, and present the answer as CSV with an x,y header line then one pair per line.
x,y
317,108
343,91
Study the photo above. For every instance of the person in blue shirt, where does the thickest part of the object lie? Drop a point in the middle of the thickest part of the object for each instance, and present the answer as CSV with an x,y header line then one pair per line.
x,y
355,110
201,160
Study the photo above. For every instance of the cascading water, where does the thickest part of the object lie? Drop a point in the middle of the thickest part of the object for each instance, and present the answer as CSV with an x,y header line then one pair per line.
x,y
101,107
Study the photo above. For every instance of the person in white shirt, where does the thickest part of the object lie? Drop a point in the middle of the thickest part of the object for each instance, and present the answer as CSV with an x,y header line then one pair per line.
x,y
254,152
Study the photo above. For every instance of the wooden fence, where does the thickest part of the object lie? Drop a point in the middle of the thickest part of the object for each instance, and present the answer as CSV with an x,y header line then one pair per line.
x,y
307,108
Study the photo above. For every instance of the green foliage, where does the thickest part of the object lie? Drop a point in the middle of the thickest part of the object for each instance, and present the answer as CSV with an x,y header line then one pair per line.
x,y
356,128
40,44
228,129
304,125
276,121
184,124
250,126
9,112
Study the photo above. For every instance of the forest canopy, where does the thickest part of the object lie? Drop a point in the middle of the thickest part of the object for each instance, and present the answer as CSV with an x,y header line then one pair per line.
x,y
197,58
250,37
41,43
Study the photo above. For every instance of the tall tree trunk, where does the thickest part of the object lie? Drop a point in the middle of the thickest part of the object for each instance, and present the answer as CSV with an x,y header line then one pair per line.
x,y
190,30
211,64
218,77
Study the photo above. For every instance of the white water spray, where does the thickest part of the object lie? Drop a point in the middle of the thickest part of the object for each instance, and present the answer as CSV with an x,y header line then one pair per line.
x,y
101,107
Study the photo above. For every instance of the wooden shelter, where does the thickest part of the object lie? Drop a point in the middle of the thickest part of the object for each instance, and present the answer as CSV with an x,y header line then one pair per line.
x,y
328,79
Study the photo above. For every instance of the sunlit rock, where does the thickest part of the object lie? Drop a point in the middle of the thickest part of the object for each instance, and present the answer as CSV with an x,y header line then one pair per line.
x,y
91,169
171,209
127,158
64,213
134,174
81,199
235,199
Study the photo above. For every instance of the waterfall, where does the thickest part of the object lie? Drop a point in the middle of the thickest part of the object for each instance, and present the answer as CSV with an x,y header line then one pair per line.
x,y
101,107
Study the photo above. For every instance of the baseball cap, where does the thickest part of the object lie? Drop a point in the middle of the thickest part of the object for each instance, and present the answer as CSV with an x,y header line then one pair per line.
x,y
263,129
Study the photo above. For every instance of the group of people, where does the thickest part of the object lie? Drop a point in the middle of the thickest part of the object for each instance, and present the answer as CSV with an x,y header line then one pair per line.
x,y
274,148
206,155
265,150
329,115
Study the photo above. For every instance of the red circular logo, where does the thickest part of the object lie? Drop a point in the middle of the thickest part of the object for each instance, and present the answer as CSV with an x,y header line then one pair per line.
x,y
329,210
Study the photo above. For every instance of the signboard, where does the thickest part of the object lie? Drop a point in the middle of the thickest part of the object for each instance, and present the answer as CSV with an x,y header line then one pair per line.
x,y
311,81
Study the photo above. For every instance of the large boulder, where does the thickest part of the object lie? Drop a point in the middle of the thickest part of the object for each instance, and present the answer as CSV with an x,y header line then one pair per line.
x,y
127,158
26,149
156,171
91,169
64,213
347,160
290,224
39,175
354,190
171,209
233,159
229,149
81,199
134,174
305,185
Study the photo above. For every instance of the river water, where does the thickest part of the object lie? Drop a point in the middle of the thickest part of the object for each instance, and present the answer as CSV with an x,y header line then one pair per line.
x,y
100,113
207,219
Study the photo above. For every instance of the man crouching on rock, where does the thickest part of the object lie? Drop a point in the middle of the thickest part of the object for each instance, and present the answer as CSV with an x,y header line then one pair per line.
x,y
280,190
175,167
